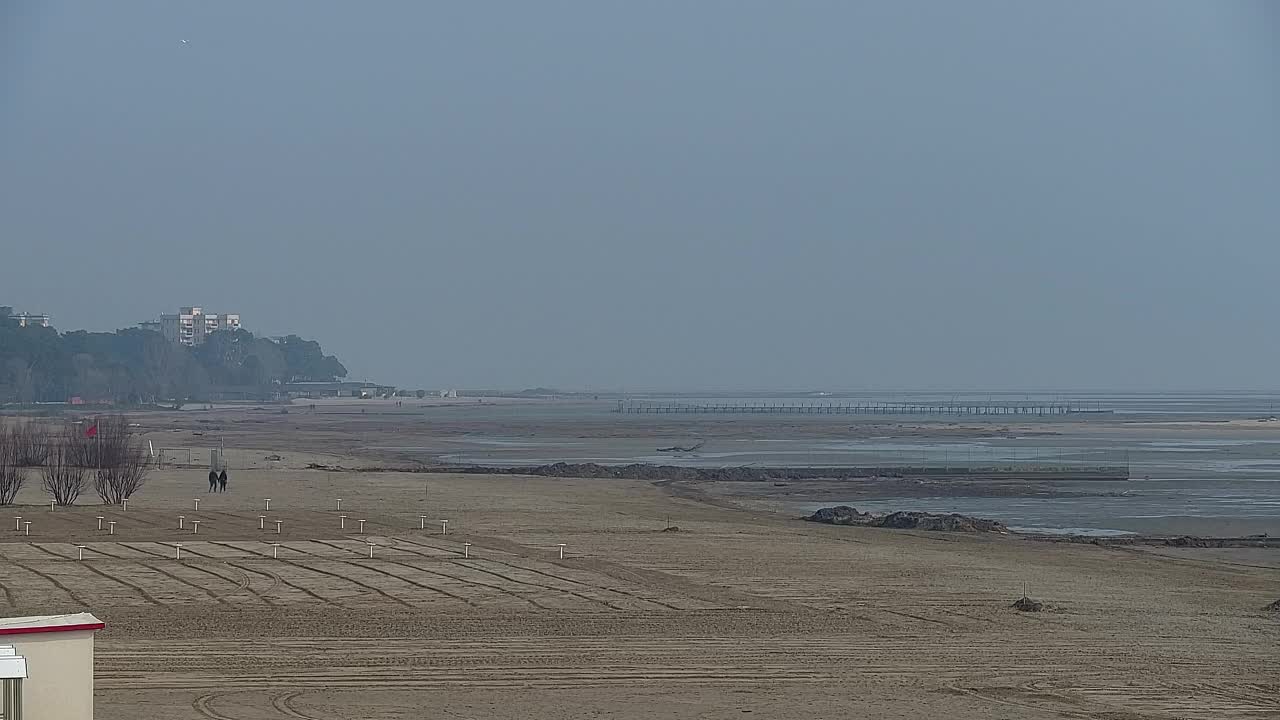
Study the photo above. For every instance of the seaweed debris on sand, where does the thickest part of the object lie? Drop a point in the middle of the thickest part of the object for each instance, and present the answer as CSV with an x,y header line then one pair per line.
x,y
952,522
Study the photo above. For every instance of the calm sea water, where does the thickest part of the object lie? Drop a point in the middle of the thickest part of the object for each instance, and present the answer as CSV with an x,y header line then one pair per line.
x,y
1218,471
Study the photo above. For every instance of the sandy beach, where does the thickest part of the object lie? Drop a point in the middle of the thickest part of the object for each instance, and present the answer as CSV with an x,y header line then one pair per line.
x,y
741,611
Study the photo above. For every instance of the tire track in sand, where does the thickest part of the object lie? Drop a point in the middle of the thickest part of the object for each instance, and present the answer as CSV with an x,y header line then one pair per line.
x,y
468,564
353,581
284,705
399,542
276,579
201,705
56,583
415,583
401,578
134,586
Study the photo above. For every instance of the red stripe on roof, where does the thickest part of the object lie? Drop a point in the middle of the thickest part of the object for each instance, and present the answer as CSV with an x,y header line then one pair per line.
x,y
51,628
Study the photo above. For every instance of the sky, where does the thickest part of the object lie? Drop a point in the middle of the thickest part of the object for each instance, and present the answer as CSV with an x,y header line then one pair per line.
x,y
666,195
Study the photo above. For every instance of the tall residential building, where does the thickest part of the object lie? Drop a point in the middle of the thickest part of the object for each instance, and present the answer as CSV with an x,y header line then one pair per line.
x,y
192,325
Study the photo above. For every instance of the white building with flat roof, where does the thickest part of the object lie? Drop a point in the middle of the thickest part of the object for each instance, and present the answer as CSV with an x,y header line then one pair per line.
x,y
23,319
191,325
49,673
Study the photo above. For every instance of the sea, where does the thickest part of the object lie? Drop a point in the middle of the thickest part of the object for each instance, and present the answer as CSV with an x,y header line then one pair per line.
x,y
1199,462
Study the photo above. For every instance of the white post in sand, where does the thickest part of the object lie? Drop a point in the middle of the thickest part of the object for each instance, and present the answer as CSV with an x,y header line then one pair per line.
x,y
370,551
561,546
182,522
275,550
262,522
111,527
342,522
26,526
466,550
197,503
17,523
80,550
444,527
361,531
422,522
177,551
339,504
268,503
100,519
51,504
125,503
195,527
278,524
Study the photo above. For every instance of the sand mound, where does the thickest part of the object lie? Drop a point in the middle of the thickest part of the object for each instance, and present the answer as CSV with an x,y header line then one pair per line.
x,y
845,515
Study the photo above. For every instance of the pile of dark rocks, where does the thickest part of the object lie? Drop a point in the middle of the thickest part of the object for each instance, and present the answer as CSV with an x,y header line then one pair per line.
x,y
949,522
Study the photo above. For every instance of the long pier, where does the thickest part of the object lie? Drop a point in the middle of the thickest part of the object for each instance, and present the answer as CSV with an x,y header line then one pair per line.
x,y
637,407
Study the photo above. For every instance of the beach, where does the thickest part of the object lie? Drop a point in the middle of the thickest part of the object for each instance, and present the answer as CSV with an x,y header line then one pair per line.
x,y
701,604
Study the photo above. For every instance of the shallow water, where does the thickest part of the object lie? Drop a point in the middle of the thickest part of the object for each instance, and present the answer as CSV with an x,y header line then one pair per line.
x,y
1212,472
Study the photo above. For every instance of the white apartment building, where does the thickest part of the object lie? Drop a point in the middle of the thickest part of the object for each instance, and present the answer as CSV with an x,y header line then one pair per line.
x,y
24,319
191,325
32,319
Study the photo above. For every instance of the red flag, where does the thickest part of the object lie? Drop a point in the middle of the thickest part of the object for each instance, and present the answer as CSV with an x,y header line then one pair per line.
x,y
92,431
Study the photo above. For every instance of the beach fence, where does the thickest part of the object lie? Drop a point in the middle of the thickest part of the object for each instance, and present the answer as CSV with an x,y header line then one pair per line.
x,y
174,456
190,457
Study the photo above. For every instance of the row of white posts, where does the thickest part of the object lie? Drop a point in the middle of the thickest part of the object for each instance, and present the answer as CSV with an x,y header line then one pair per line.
x,y
275,550
20,524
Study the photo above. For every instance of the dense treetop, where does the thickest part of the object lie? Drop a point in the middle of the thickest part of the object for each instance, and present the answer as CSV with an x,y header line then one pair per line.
x,y
40,364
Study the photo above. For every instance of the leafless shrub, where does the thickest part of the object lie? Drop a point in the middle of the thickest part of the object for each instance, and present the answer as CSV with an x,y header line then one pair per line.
x,y
119,461
79,443
62,477
11,474
31,442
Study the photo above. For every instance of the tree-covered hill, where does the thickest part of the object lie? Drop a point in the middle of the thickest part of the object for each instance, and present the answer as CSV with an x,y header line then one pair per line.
x,y
40,364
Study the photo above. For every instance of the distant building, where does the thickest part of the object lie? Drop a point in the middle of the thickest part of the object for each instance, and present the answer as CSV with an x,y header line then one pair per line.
x,y
23,319
32,320
337,388
191,325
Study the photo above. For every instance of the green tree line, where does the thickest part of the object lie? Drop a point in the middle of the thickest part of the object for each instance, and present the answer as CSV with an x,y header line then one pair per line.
x,y
135,366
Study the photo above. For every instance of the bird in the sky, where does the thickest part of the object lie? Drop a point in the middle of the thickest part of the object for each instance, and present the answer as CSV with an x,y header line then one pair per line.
x,y
184,42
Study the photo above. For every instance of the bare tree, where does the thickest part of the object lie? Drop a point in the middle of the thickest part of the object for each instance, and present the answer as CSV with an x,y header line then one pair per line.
x,y
31,441
22,381
61,476
79,443
117,457
11,474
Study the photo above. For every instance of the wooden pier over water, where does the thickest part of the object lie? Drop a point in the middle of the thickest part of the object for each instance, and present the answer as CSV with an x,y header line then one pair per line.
x,y
639,407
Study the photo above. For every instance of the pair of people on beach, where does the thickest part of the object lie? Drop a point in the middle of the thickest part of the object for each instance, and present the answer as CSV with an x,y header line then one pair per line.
x,y
218,481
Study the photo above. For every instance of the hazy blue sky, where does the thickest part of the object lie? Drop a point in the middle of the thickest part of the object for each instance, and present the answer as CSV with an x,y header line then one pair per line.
x,y
653,194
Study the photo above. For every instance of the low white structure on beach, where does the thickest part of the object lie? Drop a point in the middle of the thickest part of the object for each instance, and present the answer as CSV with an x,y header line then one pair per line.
x,y
49,673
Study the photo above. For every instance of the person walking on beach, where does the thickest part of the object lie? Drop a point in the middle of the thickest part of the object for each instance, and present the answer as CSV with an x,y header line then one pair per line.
x,y
213,480
222,481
